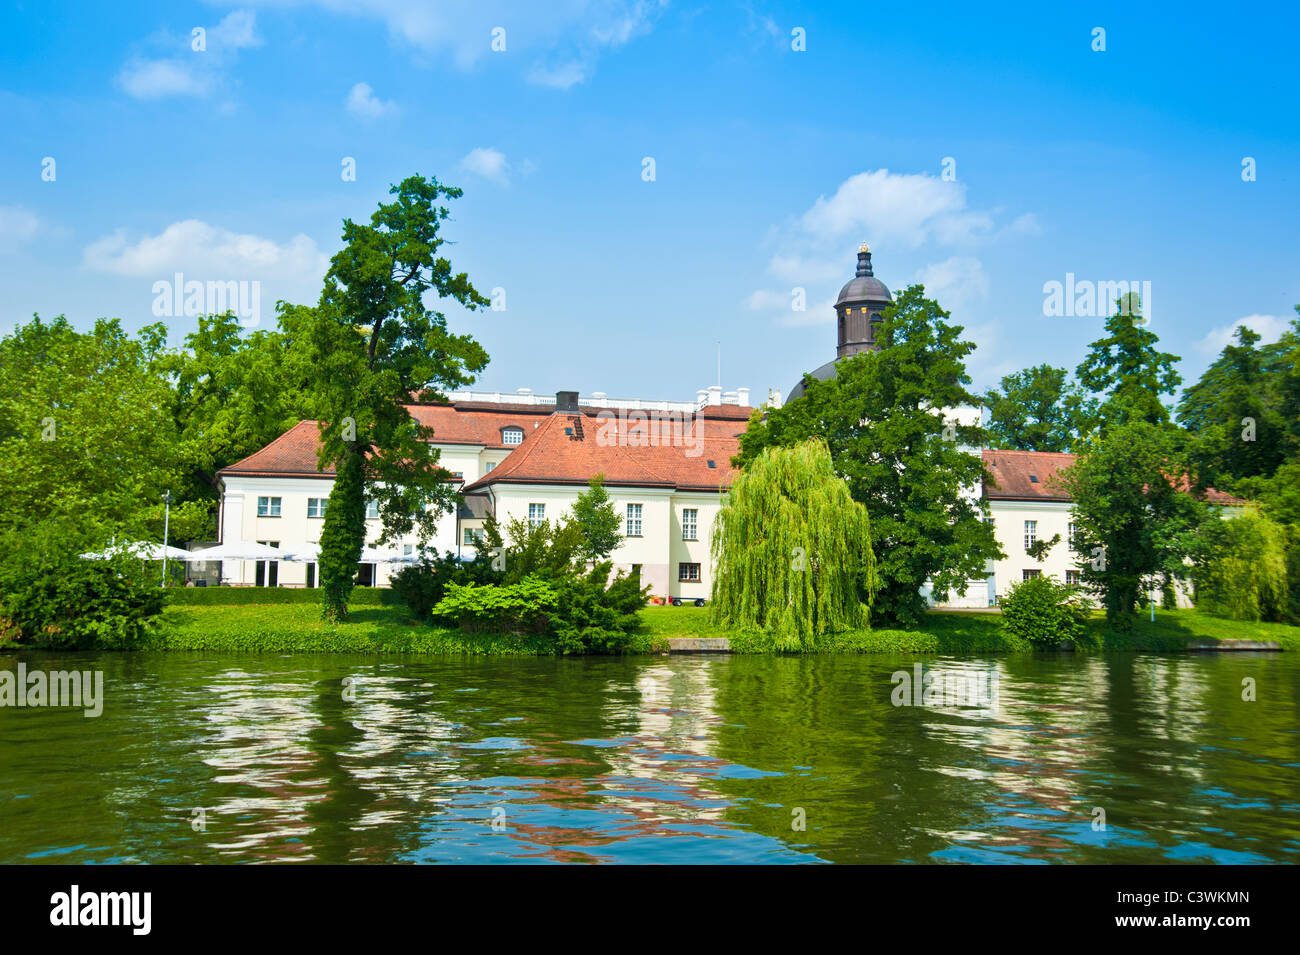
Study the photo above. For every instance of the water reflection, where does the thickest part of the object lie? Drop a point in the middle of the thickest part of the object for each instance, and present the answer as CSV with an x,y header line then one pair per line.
x,y
333,759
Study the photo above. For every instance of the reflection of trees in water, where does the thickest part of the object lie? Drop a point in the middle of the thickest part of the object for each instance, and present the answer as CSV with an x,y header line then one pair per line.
x,y
819,722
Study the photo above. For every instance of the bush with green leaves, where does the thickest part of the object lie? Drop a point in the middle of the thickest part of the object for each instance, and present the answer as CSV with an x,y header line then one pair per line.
x,y
53,599
1241,570
1045,613
525,607
421,586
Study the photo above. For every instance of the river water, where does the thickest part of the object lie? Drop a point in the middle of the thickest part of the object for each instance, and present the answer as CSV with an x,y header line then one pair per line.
x,y
685,759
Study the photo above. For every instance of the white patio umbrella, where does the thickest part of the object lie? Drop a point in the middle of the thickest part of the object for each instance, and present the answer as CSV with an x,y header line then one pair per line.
x,y
142,549
303,553
237,550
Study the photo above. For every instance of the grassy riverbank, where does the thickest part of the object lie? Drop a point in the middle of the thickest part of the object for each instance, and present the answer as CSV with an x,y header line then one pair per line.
x,y
297,627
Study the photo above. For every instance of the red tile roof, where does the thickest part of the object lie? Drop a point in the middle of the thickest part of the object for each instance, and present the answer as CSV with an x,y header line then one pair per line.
x,y
1032,476
629,449
294,453
1024,475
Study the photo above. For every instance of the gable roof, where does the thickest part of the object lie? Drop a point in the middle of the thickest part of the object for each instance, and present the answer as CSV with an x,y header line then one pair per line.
x,y
629,449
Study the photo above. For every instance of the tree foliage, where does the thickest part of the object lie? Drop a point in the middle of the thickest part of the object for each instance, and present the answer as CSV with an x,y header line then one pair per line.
x,y
1038,410
1133,515
600,524
792,550
1241,571
375,347
86,431
883,418
1236,413
1128,371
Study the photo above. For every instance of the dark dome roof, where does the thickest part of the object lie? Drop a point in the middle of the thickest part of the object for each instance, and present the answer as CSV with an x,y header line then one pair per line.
x,y
823,373
864,287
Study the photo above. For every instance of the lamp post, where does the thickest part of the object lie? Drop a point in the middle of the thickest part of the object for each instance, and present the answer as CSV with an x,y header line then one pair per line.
x,y
167,514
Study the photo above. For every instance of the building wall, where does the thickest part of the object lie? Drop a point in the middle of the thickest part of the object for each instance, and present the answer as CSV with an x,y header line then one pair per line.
x,y
660,550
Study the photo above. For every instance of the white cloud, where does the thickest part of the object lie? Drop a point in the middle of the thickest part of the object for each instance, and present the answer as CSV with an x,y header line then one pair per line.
x,y
956,283
17,225
363,102
155,79
560,77
185,71
573,32
896,208
206,252
1269,327
487,163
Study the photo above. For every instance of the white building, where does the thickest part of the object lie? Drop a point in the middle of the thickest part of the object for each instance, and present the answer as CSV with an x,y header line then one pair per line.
x,y
665,465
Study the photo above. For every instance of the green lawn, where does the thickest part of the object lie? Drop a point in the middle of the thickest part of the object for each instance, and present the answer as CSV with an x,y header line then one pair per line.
x,y
297,627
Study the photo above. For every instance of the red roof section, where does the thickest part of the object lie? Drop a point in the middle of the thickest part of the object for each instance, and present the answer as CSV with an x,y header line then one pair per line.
x,y
1024,475
629,448
1032,476
294,453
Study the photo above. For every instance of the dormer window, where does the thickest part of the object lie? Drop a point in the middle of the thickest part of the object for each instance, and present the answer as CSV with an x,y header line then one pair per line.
x,y
512,435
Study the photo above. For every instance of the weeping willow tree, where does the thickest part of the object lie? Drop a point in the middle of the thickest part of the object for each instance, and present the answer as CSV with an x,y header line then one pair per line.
x,y
792,550
1242,571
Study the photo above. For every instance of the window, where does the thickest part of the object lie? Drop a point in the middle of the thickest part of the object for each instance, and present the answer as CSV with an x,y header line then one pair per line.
x,y
1030,574
512,435
491,465
689,516
408,550
268,507
633,520
1070,532
688,572
311,574
536,514
1074,578
372,510
316,506
473,535
1031,534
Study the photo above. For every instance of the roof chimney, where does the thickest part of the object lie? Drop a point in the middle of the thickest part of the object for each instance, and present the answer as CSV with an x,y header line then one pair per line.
x,y
566,401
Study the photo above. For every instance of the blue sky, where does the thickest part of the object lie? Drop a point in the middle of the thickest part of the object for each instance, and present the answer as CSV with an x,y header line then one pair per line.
x,y
771,165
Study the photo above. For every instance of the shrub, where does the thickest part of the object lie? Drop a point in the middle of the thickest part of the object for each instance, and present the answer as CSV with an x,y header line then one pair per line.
x,y
53,599
498,608
1241,571
421,586
1044,612
597,615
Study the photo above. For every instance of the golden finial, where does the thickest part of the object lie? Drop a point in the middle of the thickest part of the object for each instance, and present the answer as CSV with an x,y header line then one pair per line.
x,y
864,247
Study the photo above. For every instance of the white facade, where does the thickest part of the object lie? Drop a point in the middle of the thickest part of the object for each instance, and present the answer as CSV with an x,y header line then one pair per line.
x,y
671,561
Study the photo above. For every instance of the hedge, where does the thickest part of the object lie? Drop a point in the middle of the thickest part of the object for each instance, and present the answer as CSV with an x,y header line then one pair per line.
x,y
240,596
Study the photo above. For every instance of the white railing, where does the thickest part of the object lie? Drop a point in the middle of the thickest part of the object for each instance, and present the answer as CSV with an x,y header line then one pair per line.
x,y
597,400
